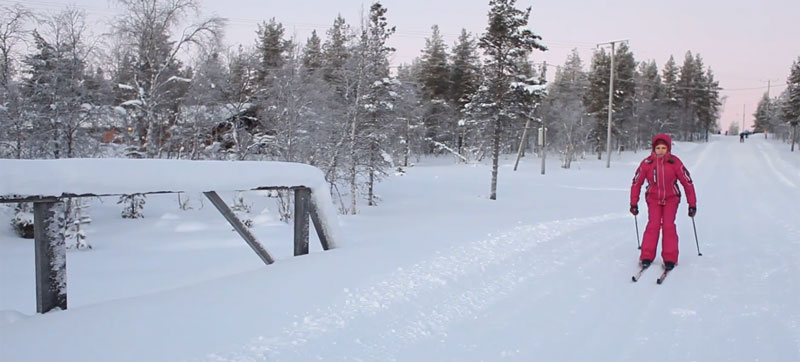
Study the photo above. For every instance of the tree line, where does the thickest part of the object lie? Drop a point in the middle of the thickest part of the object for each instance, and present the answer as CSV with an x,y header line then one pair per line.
x,y
150,88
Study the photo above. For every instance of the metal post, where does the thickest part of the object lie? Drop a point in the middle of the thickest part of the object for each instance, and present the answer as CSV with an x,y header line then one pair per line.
x,y
239,227
543,144
323,237
51,256
610,100
301,201
743,106
522,143
610,109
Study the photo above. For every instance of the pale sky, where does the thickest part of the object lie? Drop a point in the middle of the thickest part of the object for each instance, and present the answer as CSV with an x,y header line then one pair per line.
x,y
746,42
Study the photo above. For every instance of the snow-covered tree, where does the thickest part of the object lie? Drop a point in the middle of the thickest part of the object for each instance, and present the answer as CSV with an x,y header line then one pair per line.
x,y
242,209
465,78
312,54
506,43
60,104
22,221
76,215
648,116
791,109
767,115
433,75
272,48
147,31
132,206
465,75
568,126
670,104
376,97
13,130
596,100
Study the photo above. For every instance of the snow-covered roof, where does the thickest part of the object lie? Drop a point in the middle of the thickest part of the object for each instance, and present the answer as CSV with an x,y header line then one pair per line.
x,y
110,176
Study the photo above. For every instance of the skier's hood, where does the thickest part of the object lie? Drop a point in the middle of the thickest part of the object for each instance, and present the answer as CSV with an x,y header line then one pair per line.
x,y
663,137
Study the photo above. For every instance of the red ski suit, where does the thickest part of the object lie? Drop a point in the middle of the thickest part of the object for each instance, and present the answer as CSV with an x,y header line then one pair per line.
x,y
662,196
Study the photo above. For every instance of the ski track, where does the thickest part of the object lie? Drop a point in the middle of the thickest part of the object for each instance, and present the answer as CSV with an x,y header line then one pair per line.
x,y
700,159
774,169
509,252
763,284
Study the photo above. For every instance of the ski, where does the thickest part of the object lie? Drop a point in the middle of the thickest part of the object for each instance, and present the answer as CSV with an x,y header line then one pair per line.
x,y
662,277
638,274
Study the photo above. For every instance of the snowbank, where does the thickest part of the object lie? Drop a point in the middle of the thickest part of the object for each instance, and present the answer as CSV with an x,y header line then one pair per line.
x,y
110,176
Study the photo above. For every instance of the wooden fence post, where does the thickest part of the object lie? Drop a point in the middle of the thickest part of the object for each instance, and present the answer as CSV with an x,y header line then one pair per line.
x,y
302,197
51,256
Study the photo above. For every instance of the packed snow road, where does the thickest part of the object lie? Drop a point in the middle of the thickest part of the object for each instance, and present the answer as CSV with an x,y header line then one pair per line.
x,y
561,290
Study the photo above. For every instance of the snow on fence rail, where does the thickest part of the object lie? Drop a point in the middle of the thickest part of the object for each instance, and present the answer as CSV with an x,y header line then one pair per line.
x,y
46,183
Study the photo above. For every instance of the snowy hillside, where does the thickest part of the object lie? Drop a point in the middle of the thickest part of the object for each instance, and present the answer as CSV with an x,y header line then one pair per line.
x,y
438,272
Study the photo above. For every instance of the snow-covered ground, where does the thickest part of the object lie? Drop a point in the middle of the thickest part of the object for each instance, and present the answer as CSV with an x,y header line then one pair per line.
x,y
438,272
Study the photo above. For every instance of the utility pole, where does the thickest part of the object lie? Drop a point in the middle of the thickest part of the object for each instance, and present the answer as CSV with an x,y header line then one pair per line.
x,y
543,137
610,99
742,117
543,143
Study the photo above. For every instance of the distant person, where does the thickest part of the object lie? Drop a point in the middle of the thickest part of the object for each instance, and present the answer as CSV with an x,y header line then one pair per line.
x,y
663,171
741,137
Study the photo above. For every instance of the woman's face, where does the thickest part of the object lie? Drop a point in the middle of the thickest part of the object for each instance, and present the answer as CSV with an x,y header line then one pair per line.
x,y
661,150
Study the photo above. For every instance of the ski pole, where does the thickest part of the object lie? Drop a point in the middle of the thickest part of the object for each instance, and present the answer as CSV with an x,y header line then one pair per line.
x,y
695,238
638,244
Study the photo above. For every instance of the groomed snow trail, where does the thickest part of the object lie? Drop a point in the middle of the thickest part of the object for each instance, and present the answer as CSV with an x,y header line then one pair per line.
x,y
561,290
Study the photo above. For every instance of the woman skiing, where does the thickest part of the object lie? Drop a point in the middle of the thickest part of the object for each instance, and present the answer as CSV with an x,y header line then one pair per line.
x,y
662,170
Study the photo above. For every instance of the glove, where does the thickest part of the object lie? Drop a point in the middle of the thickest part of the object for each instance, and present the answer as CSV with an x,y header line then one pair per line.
x,y
635,210
692,211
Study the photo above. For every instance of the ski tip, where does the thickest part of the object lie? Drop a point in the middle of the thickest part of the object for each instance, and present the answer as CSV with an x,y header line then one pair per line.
x,y
658,281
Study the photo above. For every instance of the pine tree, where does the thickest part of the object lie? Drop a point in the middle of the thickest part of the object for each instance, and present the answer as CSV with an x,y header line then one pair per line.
x,y
708,103
76,214
312,54
762,115
648,118
687,94
670,104
505,42
272,48
410,116
596,99
791,108
60,101
335,54
378,101
466,70
623,121
433,75
132,206
434,66
564,109
22,222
